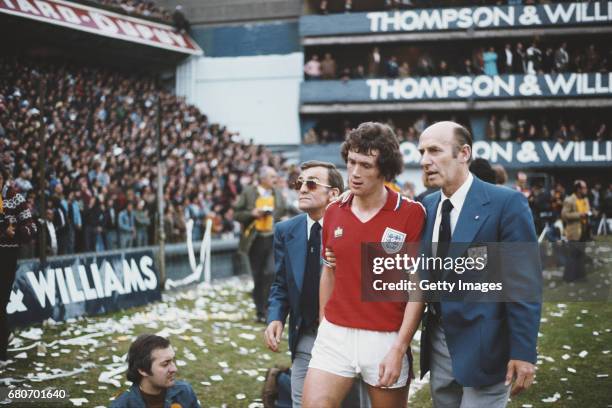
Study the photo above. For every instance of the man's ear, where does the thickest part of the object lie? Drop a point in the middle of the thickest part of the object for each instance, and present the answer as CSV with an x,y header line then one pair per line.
x,y
467,151
143,373
334,193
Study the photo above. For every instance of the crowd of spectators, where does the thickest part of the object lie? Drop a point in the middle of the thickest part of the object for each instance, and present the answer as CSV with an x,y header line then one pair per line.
x,y
338,6
513,58
514,127
543,128
137,8
546,204
101,158
408,131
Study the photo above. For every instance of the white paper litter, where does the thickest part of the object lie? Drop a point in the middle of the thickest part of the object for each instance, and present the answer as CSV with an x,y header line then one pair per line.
x,y
107,377
583,354
32,334
247,336
216,377
554,398
79,401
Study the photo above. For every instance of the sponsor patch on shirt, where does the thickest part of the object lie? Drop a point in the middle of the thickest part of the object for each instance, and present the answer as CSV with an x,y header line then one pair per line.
x,y
338,232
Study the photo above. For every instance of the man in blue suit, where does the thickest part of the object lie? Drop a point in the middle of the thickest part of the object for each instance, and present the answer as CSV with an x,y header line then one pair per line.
x,y
474,350
297,258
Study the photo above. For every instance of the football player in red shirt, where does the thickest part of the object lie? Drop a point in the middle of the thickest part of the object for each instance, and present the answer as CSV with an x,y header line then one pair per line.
x,y
371,339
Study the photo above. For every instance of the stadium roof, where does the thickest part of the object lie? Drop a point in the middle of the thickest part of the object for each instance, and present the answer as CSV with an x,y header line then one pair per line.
x,y
90,29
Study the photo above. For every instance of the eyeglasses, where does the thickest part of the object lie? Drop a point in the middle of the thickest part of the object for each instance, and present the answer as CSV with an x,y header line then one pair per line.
x,y
310,184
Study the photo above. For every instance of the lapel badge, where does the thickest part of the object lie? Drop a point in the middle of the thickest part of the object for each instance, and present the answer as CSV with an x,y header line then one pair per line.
x,y
477,217
338,232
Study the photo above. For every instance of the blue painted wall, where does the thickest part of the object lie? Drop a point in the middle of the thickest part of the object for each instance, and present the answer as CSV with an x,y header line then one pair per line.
x,y
248,40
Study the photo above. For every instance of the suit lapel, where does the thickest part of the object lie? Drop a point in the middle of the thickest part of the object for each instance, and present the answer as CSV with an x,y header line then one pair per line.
x,y
473,215
296,250
431,219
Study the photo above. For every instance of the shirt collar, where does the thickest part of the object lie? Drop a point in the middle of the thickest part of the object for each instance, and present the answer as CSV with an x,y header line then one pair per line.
x,y
393,202
310,222
458,198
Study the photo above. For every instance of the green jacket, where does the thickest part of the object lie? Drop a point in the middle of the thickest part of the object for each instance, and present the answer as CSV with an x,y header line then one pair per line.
x,y
242,214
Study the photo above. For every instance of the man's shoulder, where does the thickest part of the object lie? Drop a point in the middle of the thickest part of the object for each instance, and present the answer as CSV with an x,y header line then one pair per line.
x,y
412,207
496,192
290,223
338,201
182,388
180,385
125,399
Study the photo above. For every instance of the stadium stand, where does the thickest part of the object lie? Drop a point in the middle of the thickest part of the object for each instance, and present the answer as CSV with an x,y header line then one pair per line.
x,y
526,56
101,154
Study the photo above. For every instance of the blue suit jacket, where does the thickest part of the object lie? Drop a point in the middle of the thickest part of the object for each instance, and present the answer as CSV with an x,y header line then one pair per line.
x,y
483,336
290,245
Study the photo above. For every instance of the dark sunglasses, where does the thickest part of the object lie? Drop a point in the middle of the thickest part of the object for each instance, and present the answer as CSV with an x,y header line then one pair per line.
x,y
310,184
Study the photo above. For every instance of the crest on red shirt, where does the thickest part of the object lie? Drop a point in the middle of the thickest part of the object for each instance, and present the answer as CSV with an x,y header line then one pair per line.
x,y
392,240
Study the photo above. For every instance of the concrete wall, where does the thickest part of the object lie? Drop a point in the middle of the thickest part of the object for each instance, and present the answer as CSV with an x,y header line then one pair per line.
x,y
254,95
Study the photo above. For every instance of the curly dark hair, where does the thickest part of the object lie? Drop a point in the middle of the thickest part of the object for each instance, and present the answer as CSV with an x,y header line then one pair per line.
x,y
139,355
374,136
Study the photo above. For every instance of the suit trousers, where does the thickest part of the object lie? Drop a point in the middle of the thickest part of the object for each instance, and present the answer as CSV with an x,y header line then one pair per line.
x,y
262,269
574,261
357,396
446,392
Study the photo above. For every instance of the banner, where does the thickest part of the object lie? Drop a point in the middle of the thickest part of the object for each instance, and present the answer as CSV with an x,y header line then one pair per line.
x,y
479,87
453,19
102,22
71,287
531,154
536,154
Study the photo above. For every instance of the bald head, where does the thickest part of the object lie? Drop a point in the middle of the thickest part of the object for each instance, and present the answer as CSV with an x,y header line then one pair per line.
x,y
461,135
267,177
446,151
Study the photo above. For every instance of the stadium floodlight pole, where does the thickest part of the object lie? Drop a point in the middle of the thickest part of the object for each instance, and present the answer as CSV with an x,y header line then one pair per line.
x,y
160,199
42,249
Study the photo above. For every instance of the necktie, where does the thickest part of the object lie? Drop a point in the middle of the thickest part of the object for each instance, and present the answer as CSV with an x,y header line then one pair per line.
x,y
310,286
444,238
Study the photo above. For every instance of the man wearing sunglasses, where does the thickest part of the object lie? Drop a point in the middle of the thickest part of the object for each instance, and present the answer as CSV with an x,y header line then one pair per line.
x,y
295,291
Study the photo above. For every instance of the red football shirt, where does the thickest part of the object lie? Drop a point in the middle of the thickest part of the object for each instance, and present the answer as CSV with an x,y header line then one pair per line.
x,y
344,233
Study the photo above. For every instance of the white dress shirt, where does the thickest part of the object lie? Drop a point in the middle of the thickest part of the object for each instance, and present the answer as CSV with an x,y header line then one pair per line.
x,y
508,57
52,236
457,200
309,222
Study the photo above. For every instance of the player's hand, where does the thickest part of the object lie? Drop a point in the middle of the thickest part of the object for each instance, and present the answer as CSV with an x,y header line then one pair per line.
x,y
272,335
390,368
257,213
10,231
523,374
330,257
